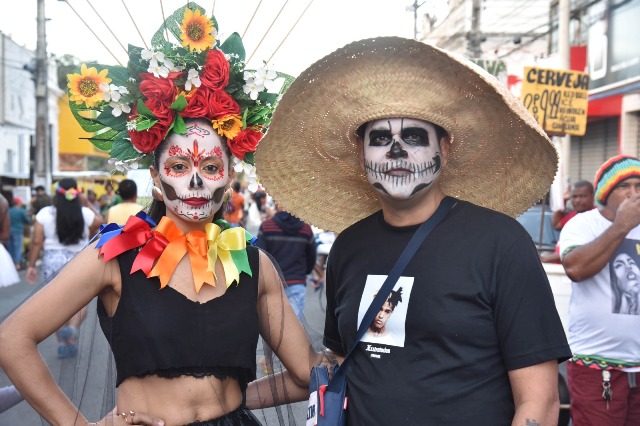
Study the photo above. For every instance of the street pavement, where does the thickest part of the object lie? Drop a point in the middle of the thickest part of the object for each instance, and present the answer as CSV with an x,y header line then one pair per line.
x,y
90,394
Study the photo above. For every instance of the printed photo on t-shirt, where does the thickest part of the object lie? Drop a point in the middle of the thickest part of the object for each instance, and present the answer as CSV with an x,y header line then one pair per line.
x,y
388,326
625,278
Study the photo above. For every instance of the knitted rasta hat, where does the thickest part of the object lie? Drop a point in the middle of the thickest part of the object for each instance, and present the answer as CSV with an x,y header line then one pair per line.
x,y
611,173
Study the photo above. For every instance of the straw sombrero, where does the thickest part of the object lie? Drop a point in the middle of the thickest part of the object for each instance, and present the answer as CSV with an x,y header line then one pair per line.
x,y
500,157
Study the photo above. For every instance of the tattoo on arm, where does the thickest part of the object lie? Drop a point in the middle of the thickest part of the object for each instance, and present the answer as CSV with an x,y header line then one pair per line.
x,y
531,422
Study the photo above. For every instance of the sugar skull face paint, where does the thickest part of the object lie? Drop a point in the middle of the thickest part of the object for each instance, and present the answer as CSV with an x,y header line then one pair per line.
x,y
193,172
401,156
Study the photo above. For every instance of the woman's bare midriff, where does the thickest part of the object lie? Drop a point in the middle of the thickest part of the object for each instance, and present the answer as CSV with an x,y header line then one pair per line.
x,y
181,400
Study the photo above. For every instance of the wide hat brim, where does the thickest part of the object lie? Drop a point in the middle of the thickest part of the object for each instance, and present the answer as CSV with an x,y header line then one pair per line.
x,y
500,157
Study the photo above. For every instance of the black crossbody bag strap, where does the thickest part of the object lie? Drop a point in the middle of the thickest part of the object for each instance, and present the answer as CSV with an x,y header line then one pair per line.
x,y
407,254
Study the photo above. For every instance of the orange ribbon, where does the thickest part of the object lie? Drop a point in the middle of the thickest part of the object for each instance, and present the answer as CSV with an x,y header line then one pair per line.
x,y
194,243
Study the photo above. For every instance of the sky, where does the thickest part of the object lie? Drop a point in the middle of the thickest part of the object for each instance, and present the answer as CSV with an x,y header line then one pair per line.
x,y
326,26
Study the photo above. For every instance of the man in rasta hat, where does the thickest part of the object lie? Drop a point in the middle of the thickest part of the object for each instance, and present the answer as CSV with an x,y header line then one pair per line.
x,y
599,251
377,134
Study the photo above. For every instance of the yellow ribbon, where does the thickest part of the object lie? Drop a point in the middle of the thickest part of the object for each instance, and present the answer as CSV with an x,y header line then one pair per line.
x,y
194,243
221,244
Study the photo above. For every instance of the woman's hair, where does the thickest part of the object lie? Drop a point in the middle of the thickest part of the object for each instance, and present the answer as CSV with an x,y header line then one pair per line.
x,y
616,292
158,209
69,219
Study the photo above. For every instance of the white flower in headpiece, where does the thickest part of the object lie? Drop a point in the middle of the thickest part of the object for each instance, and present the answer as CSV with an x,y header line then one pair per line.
x,y
132,125
110,92
159,70
125,165
153,57
249,171
119,165
193,79
169,65
265,77
119,108
252,88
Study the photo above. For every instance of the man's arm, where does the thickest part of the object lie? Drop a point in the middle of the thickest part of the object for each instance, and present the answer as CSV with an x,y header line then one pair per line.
x,y
556,219
587,260
5,225
535,394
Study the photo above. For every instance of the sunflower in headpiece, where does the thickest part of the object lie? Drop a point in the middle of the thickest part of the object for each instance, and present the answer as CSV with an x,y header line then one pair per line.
x,y
85,87
197,31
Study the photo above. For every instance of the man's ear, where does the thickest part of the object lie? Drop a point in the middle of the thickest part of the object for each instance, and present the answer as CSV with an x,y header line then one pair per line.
x,y
445,148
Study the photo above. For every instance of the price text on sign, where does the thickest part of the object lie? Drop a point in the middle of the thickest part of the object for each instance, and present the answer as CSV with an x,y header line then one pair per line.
x,y
558,99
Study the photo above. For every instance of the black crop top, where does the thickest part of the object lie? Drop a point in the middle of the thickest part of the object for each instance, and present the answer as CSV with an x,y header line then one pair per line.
x,y
161,332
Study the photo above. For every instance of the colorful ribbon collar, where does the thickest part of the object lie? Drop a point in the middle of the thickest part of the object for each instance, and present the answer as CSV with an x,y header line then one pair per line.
x,y
164,247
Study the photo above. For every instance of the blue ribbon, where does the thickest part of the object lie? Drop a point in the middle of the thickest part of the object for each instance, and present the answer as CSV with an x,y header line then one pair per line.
x,y
111,230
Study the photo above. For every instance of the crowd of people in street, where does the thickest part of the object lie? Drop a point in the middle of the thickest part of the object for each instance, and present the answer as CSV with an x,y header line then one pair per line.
x,y
469,333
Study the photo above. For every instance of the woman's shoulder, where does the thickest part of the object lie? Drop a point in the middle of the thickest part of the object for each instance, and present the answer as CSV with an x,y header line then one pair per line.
x,y
46,213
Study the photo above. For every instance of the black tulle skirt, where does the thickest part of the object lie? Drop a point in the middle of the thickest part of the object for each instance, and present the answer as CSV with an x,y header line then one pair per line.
x,y
241,416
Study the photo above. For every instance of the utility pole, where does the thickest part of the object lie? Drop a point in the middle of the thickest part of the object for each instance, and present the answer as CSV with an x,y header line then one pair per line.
x,y
564,51
42,175
475,37
415,6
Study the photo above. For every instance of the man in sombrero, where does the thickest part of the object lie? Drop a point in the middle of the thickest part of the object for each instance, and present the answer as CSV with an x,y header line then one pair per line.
x,y
367,142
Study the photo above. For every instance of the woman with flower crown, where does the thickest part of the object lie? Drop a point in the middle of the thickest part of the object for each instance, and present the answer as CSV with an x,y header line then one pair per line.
x,y
182,298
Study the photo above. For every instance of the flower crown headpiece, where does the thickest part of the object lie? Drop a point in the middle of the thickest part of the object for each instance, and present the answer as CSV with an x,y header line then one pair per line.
x,y
131,110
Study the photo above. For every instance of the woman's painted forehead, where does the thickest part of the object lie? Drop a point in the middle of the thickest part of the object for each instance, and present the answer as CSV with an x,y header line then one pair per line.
x,y
199,140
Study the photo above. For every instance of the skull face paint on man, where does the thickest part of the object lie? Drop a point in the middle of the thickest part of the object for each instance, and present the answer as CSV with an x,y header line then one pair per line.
x,y
193,172
401,156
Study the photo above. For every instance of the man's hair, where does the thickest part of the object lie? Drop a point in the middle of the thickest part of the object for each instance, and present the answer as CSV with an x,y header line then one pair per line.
x,y
236,186
394,298
583,184
39,188
127,189
440,131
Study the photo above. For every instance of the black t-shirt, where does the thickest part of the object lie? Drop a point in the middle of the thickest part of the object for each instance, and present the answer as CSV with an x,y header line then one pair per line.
x,y
475,303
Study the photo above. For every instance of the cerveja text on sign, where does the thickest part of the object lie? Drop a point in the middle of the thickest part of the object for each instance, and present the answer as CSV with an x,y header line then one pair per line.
x,y
558,99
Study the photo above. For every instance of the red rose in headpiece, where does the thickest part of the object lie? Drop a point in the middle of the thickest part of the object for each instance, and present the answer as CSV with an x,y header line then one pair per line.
x,y
160,94
216,70
197,104
246,141
147,141
222,104
212,104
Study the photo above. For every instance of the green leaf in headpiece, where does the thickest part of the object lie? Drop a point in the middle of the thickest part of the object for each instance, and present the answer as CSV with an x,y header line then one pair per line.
x,y
233,45
179,126
117,123
268,98
249,158
145,123
143,110
123,150
102,145
85,117
179,104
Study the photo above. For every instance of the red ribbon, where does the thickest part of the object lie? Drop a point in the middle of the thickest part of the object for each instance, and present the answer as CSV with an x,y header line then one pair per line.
x,y
135,233
149,253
